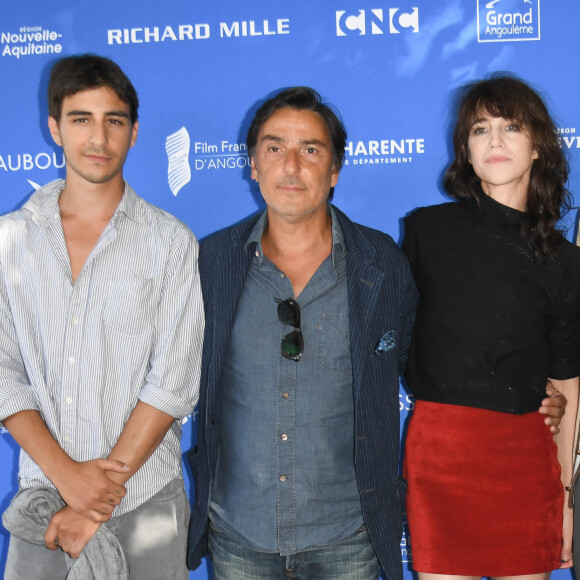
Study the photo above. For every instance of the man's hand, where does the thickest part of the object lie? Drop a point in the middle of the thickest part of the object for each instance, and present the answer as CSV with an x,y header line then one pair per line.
x,y
85,487
69,531
554,406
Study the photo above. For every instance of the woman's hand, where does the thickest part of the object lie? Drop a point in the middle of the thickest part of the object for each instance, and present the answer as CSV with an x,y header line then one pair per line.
x,y
567,530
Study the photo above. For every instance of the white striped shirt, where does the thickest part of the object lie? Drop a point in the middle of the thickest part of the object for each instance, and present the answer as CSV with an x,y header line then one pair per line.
x,y
130,328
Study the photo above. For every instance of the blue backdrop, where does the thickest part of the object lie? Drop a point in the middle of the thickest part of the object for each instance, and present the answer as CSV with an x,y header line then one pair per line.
x,y
202,67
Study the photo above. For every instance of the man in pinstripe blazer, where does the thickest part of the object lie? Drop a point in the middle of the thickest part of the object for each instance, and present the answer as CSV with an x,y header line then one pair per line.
x,y
308,321
101,324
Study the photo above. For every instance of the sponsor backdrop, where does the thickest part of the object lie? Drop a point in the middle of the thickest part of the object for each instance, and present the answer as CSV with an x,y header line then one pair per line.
x,y
202,68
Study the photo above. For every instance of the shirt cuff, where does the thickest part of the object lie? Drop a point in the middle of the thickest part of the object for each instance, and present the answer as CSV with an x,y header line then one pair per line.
x,y
22,402
175,404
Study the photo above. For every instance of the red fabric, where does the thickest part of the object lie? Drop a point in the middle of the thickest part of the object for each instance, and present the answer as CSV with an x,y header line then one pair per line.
x,y
484,496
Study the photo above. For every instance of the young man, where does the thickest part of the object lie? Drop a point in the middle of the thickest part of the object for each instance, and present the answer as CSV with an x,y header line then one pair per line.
x,y
308,322
101,324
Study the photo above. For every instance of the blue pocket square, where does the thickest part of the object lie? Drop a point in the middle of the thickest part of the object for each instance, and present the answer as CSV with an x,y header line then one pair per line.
x,y
386,343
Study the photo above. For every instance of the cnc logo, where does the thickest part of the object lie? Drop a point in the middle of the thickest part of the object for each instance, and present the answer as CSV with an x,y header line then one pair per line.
x,y
508,20
365,22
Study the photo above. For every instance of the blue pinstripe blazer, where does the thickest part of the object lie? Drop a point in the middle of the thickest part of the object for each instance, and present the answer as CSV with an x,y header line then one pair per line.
x,y
382,299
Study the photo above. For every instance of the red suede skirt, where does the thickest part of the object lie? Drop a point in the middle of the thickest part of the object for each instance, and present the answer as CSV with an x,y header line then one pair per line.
x,y
484,496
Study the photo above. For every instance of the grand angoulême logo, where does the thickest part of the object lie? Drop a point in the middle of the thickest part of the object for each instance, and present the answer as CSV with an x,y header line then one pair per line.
x,y
508,20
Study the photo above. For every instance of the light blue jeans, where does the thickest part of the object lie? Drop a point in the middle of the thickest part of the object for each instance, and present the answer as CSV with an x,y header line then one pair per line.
x,y
351,559
153,537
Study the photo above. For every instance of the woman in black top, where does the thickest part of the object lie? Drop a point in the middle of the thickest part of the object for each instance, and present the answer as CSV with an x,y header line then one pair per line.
x,y
499,314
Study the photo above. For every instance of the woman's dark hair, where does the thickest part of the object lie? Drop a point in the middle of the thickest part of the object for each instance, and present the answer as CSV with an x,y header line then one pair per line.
x,y
73,74
302,98
548,199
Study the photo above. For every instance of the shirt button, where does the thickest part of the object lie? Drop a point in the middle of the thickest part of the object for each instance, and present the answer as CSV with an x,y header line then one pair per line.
x,y
285,395
75,319
67,437
68,400
71,360
282,275
257,254
284,437
283,478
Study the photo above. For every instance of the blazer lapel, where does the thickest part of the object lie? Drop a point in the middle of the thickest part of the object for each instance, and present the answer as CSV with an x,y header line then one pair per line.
x,y
364,284
230,266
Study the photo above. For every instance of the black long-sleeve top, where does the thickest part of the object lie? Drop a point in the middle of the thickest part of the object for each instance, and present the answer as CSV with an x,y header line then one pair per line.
x,y
493,323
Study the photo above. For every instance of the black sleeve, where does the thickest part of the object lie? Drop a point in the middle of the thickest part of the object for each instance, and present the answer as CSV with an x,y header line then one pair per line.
x,y
563,331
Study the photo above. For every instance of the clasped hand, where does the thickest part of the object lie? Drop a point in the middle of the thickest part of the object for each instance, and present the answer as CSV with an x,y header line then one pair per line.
x,y
69,531
91,497
87,489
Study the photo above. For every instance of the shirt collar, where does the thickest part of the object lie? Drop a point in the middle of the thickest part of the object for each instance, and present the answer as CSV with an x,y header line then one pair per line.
x,y
130,205
44,203
255,237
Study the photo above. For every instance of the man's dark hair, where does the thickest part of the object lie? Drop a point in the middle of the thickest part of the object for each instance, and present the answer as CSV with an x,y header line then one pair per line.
x,y
83,72
302,99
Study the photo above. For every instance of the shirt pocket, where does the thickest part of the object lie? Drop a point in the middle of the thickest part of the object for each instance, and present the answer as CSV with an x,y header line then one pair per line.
x,y
334,343
129,306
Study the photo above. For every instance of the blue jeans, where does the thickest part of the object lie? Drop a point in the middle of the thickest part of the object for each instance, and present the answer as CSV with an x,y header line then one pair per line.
x,y
351,559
